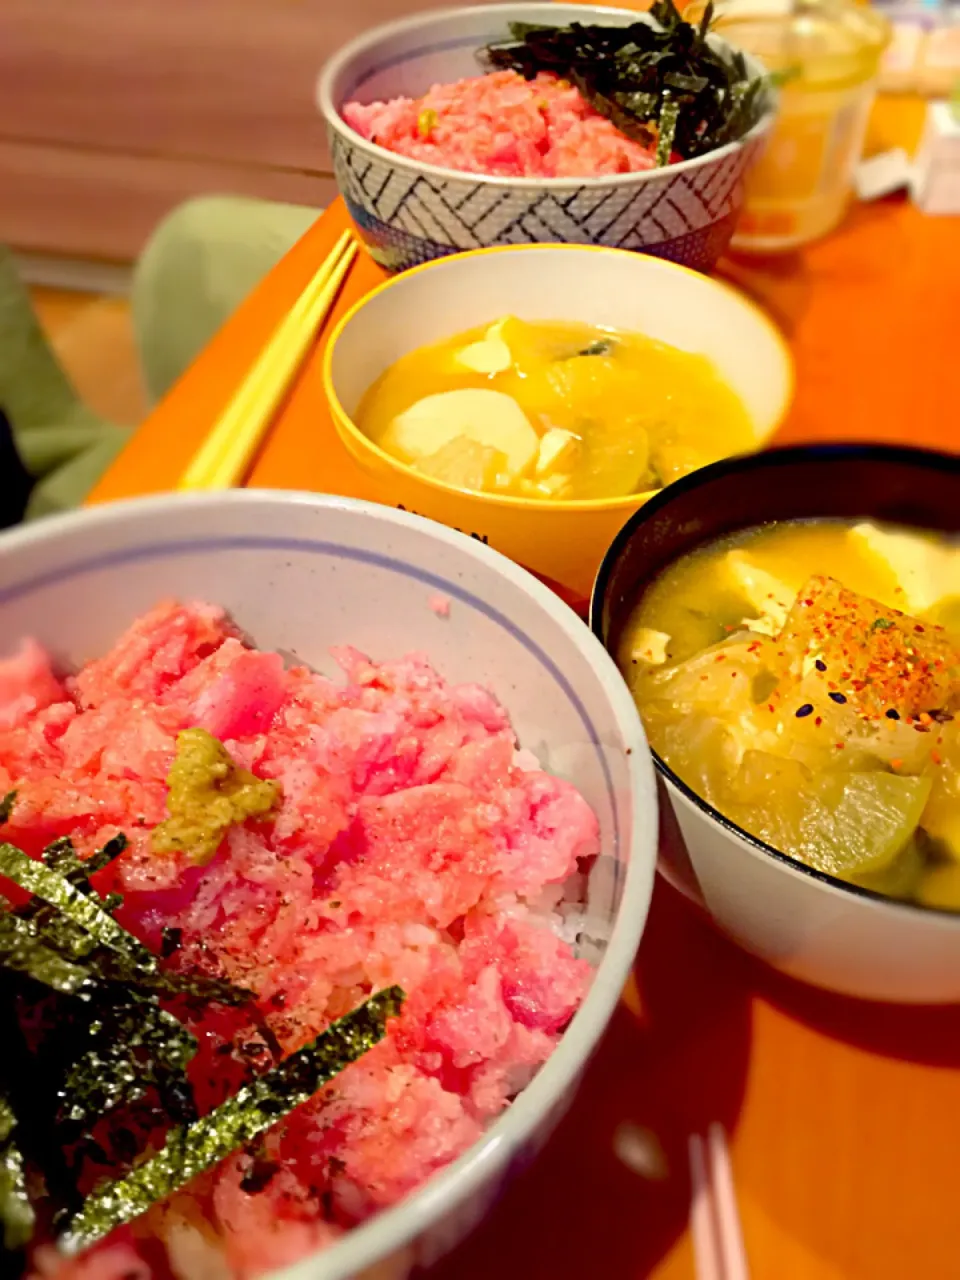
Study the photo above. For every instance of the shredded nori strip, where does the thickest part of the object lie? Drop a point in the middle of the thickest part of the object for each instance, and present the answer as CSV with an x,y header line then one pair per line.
x,y
83,910
89,990
663,85
61,856
235,1123
132,1045
602,347
16,1211
669,117
23,951
6,806
67,915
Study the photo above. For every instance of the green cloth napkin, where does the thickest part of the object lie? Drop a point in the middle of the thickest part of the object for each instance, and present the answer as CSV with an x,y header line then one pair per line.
x,y
198,266
64,445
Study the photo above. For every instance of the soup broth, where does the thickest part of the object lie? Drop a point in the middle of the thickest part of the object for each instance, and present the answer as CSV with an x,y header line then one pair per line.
x,y
804,680
554,411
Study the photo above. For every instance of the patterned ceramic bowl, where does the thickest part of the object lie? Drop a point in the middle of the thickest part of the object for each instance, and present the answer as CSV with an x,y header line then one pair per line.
x,y
408,212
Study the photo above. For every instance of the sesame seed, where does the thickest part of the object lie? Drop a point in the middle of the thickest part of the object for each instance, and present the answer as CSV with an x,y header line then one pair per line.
x,y
892,714
837,697
820,665
805,710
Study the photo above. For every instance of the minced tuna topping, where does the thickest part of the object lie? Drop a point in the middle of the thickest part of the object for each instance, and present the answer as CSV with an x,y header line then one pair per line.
x,y
408,842
504,126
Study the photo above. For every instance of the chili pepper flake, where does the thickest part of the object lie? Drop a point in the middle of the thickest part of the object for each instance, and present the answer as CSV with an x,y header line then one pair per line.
x,y
878,657
936,757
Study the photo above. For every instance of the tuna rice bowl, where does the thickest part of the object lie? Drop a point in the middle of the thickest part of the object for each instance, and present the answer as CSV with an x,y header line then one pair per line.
x,y
586,100
277,947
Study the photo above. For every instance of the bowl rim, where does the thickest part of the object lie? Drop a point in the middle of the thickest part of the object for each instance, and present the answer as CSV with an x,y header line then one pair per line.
x,y
368,40
929,459
643,261
393,1229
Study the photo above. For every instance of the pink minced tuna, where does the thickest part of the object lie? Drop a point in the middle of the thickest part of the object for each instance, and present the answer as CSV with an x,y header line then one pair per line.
x,y
414,845
502,125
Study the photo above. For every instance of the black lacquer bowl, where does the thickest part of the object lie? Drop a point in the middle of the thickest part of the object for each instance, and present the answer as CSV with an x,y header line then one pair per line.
x,y
806,923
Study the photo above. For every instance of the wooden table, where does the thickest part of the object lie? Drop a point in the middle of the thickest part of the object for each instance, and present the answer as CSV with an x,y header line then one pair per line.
x,y
844,1118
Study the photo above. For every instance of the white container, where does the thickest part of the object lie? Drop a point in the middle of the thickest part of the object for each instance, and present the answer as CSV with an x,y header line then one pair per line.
x,y
936,170
302,572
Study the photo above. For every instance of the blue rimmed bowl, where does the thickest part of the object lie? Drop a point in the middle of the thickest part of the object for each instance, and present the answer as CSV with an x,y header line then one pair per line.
x,y
302,572
408,212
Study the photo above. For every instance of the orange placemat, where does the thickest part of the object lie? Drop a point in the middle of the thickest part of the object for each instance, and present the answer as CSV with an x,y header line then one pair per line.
x,y
870,313
844,1119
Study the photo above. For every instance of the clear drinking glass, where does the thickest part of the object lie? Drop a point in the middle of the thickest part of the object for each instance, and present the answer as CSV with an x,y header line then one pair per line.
x,y
831,51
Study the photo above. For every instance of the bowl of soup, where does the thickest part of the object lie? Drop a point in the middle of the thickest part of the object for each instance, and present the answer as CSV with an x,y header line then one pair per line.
x,y
789,626
536,396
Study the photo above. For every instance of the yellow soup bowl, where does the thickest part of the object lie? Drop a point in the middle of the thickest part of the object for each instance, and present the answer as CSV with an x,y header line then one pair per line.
x,y
562,541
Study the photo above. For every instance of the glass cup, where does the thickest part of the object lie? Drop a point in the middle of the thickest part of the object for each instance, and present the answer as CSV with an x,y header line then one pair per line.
x,y
829,52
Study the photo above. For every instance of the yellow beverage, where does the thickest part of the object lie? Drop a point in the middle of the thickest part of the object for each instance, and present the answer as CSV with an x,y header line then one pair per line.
x,y
830,50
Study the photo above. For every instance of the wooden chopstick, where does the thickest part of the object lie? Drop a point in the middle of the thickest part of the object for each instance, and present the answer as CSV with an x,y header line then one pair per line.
x,y
714,1219
225,455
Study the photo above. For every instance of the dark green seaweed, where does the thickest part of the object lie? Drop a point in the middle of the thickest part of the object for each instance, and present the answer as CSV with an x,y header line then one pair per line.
x,y
24,952
235,1123
662,85
16,1212
106,1041
133,1044
85,911
602,347
61,856
6,806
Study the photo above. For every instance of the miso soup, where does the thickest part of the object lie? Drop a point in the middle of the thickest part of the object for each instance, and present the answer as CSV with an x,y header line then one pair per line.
x,y
804,680
555,411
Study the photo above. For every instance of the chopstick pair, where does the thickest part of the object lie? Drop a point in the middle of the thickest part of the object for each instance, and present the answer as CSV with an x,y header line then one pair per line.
x,y
714,1219
228,450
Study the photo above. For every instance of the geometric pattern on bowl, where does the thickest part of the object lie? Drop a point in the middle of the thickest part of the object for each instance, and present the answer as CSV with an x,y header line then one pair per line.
x,y
406,218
